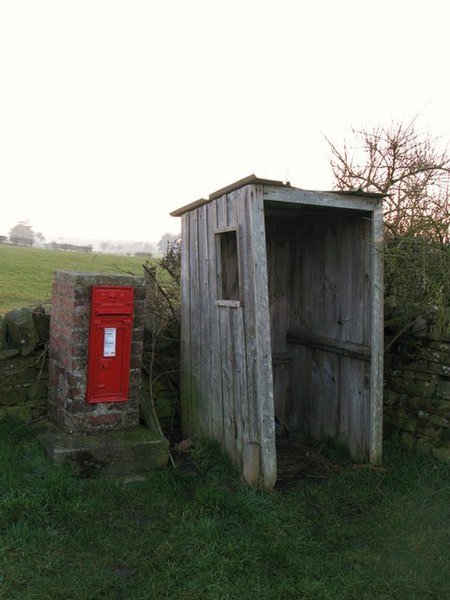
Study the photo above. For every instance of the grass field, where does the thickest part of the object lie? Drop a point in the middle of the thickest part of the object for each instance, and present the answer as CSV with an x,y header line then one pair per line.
x,y
201,534
26,273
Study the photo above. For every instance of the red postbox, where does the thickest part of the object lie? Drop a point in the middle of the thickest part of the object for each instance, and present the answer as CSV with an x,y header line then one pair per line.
x,y
110,334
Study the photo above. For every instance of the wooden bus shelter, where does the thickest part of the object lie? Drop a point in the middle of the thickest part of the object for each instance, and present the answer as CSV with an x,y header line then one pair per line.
x,y
282,320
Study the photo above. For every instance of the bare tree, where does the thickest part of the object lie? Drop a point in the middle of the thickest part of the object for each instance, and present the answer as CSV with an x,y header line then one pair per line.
x,y
22,233
164,243
410,167
413,169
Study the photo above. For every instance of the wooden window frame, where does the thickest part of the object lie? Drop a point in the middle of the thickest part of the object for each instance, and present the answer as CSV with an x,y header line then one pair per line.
x,y
221,301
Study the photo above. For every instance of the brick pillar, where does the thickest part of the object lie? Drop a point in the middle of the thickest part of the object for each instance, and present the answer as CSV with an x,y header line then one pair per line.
x,y
68,356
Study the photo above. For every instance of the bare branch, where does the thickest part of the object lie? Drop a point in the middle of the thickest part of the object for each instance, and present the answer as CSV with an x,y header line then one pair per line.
x,y
414,169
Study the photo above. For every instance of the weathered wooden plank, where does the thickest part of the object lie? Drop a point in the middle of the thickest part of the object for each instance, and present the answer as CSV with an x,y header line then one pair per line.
x,y
179,212
249,401
279,266
366,375
310,383
281,358
215,356
294,406
368,282
232,201
315,389
330,345
313,198
281,387
204,310
327,386
357,235
229,303
310,279
347,313
331,277
250,179
222,212
366,413
228,389
297,409
264,382
279,279
240,382
225,229
298,274
352,408
196,410
224,375
185,349
376,375
251,461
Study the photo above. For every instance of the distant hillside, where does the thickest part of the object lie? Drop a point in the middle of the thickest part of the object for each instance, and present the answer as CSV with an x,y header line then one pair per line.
x,y
27,273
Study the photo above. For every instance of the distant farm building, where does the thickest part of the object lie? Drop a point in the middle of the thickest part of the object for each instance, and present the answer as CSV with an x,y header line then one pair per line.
x,y
21,241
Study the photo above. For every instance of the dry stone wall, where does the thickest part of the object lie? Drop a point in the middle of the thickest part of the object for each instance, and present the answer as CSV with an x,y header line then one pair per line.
x,y
416,395
417,388
24,363
24,367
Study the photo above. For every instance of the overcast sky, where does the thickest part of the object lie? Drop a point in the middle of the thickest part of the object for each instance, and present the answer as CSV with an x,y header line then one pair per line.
x,y
114,112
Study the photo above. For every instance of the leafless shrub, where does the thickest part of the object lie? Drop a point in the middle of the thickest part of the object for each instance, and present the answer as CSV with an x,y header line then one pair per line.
x,y
412,169
162,327
406,164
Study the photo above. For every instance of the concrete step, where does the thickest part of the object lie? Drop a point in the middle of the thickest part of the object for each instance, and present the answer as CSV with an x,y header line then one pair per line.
x,y
113,454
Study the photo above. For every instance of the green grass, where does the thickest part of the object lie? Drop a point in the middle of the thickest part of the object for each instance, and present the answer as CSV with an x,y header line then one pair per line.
x,y
202,535
27,273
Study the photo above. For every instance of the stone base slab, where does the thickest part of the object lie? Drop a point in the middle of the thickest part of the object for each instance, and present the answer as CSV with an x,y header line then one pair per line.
x,y
113,454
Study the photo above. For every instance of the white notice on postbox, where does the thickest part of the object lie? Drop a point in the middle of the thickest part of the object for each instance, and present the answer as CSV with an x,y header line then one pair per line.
x,y
109,341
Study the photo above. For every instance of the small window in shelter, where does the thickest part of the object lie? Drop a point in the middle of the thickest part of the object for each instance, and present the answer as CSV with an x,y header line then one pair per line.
x,y
228,265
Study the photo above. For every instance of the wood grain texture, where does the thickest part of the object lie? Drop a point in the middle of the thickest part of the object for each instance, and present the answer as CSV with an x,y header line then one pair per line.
x,y
185,345
279,266
204,315
301,337
195,405
264,382
313,198
330,317
377,342
322,342
215,375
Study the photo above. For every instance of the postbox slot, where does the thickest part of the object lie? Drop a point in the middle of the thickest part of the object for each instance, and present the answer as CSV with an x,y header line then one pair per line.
x,y
103,312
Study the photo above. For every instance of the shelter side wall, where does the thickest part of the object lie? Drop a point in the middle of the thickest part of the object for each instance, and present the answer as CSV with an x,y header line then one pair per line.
x,y
202,409
332,335
281,272
225,349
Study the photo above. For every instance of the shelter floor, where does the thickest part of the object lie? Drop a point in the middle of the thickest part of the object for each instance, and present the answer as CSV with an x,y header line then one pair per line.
x,y
297,460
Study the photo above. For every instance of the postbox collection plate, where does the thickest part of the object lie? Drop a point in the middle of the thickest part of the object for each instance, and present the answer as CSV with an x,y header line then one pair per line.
x,y
110,334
